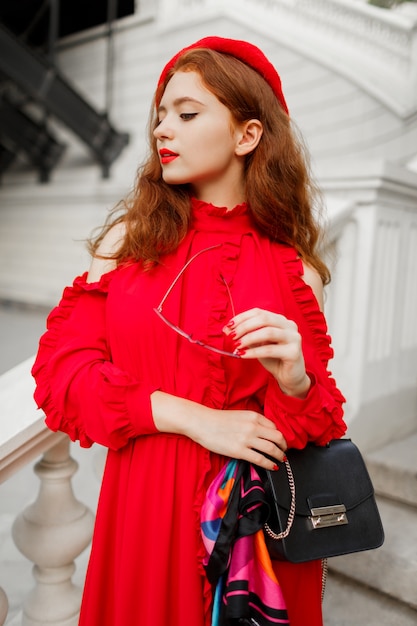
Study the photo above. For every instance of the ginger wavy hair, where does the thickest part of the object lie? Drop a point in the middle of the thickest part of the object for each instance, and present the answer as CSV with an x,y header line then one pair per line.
x,y
280,192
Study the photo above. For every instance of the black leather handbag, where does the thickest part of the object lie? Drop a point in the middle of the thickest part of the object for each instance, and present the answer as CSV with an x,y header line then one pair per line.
x,y
322,504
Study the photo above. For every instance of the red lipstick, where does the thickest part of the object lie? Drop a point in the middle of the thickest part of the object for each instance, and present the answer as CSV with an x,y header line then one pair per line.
x,y
167,156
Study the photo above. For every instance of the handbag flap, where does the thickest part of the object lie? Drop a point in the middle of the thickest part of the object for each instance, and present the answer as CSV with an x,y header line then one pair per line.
x,y
324,476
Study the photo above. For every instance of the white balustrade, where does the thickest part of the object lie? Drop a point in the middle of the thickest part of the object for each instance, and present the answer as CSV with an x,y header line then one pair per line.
x,y
52,532
372,301
56,528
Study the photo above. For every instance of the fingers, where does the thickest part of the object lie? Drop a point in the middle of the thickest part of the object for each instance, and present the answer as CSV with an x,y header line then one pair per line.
x,y
258,328
257,458
267,457
276,342
256,318
262,444
270,344
240,434
270,442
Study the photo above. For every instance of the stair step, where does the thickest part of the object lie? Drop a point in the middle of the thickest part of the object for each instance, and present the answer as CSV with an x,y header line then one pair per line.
x,y
393,470
392,568
348,603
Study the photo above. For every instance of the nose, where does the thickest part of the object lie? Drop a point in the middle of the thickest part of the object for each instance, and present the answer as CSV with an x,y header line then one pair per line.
x,y
163,130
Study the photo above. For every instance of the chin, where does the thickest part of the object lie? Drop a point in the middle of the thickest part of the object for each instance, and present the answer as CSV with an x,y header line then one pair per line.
x,y
174,180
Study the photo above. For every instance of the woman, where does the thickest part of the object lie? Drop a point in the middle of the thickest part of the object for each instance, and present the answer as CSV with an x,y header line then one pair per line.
x,y
196,336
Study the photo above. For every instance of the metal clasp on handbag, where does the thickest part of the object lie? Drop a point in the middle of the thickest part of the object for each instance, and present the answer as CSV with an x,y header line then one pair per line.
x,y
324,516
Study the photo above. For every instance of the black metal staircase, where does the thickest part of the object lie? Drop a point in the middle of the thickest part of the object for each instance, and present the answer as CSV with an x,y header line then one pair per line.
x,y
39,81
18,132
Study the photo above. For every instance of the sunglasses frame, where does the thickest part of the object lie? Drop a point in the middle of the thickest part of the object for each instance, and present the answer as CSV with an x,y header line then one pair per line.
x,y
177,329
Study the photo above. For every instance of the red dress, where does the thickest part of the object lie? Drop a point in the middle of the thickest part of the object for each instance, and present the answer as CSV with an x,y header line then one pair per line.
x,y
106,351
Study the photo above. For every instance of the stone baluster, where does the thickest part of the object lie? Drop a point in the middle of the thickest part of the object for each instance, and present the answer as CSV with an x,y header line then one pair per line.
x,y
51,533
4,606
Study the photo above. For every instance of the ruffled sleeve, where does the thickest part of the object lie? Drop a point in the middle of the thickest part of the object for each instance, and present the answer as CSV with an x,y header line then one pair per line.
x,y
78,387
317,418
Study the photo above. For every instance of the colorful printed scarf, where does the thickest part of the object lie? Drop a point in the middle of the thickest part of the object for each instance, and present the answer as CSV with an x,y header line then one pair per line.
x,y
237,562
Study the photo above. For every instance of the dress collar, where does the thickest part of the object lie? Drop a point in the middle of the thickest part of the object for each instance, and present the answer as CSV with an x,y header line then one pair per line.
x,y
207,217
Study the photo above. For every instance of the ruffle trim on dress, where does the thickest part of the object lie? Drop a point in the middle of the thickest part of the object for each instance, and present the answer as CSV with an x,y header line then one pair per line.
x,y
209,209
55,419
219,316
209,218
307,302
328,398
306,424
101,285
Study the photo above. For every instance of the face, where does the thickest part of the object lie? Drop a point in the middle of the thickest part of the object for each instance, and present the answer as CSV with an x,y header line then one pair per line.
x,y
197,140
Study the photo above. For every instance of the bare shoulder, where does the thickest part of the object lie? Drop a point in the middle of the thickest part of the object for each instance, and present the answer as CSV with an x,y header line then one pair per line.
x,y
312,278
108,246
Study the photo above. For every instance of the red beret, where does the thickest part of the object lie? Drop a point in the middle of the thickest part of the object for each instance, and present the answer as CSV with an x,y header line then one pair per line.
x,y
242,50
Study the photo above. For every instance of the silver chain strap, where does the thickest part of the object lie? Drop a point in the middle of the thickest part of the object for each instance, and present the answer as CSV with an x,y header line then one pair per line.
x,y
324,572
291,514
290,520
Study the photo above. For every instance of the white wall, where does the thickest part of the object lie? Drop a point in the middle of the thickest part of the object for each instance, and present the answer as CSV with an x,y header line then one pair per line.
x,y
42,226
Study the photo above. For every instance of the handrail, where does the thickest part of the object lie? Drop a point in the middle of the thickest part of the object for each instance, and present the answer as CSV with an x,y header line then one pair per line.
x,y
46,534
23,435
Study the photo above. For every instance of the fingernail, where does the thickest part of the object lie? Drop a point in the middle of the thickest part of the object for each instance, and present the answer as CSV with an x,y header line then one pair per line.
x,y
239,352
230,324
275,468
284,459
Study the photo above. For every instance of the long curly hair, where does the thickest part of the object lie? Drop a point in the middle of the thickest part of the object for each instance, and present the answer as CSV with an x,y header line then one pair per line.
x,y
282,197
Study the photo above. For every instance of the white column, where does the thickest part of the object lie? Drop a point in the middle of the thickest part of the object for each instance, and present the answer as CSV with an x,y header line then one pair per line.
x,y
51,533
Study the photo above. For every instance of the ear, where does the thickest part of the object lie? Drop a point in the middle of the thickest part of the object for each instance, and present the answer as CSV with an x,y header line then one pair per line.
x,y
250,134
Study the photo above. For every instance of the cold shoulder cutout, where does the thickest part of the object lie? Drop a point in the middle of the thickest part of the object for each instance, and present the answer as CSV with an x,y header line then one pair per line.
x,y
108,246
312,278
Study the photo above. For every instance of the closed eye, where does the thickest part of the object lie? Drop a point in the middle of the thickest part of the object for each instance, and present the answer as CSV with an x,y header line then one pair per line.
x,y
187,116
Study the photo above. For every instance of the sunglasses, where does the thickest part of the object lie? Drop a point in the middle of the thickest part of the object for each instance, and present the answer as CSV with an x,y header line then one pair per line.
x,y
159,309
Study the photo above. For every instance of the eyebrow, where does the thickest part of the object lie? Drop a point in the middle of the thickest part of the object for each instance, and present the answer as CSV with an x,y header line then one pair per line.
x,y
181,100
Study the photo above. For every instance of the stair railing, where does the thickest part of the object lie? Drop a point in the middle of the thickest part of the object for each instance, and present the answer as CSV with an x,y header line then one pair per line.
x,y
371,304
54,529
